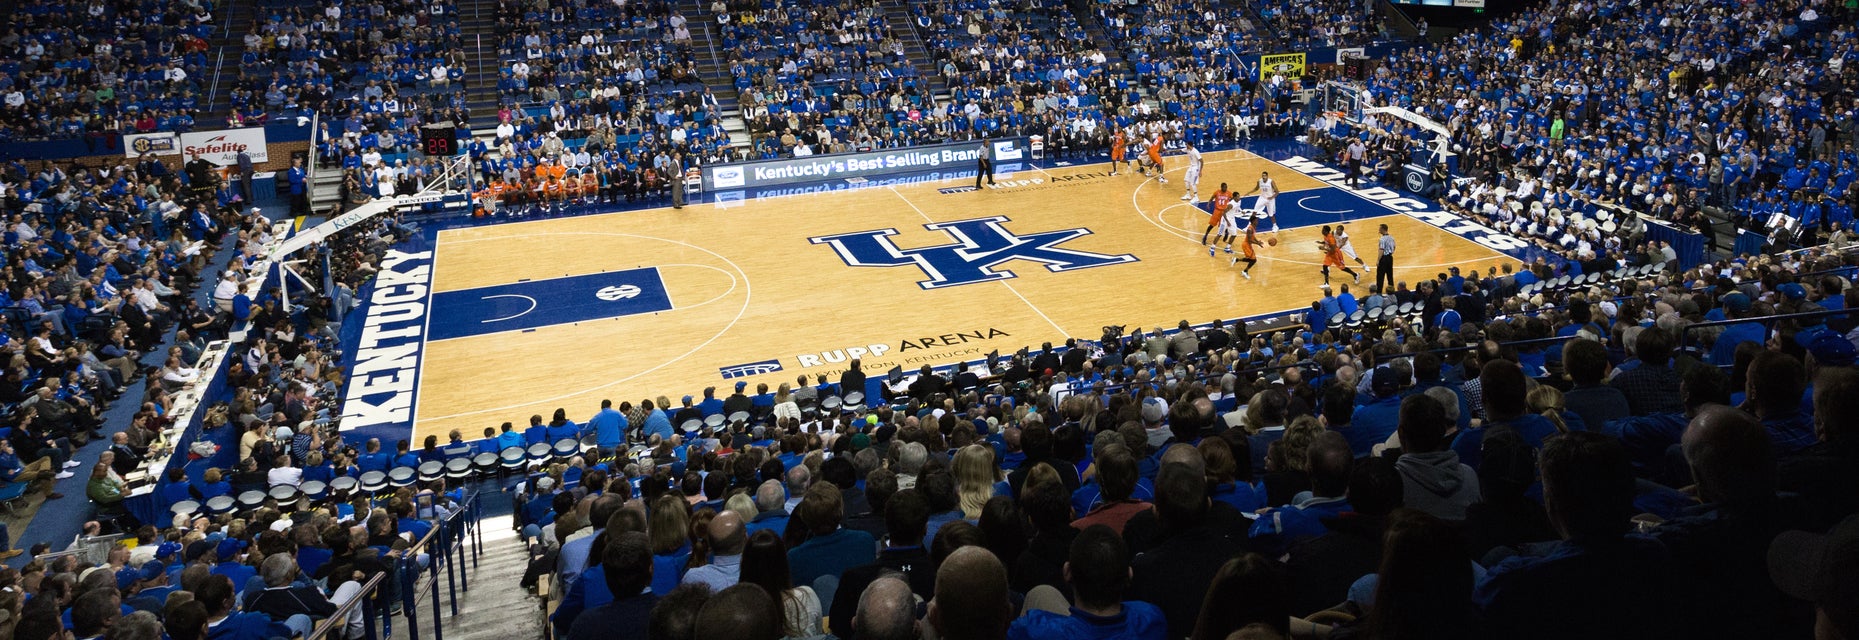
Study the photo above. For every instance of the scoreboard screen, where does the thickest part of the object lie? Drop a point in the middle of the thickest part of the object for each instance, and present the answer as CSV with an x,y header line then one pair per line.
x,y
439,140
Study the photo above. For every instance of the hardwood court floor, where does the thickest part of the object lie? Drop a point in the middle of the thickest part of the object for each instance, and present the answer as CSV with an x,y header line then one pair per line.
x,y
745,283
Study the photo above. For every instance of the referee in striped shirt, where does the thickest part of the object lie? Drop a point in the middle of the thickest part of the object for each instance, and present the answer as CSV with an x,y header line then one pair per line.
x,y
1384,266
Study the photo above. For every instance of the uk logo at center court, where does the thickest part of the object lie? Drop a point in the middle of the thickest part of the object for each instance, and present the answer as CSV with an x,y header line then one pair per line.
x,y
981,246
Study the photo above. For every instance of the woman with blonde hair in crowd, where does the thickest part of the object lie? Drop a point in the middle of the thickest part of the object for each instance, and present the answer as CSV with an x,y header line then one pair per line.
x,y
785,407
1549,402
975,478
669,530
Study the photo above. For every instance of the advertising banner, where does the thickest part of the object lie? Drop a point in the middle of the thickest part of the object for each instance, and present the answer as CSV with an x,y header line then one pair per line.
x,y
1289,65
222,147
763,173
136,145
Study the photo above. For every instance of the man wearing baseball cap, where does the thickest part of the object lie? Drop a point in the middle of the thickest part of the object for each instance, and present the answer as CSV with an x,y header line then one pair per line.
x,y
737,401
1822,568
1736,306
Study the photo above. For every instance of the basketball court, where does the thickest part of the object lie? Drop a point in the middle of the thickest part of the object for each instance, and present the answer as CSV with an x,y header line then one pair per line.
x,y
527,316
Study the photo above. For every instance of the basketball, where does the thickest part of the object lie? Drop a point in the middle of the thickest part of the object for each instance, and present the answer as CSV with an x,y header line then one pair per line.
x,y
1272,241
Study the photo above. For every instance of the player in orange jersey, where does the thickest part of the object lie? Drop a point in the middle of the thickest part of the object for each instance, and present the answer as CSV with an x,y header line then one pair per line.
x,y
1246,252
590,185
1155,156
1222,202
1119,144
1333,256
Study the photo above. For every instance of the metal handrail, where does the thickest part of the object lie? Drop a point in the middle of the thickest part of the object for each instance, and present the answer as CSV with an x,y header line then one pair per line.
x,y
341,616
1684,336
213,92
452,532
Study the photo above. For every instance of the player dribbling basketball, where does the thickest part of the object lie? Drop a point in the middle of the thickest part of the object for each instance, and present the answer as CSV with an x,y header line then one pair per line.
x,y
1247,254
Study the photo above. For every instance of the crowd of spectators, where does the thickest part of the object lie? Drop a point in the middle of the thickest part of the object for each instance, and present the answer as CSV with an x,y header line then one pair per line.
x,y
1021,68
99,69
1327,482
1202,68
1734,106
1298,26
594,96
379,58
822,77
1474,472
274,567
100,267
1573,461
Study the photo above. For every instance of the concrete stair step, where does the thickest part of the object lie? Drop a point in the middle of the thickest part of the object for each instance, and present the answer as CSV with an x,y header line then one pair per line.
x,y
496,607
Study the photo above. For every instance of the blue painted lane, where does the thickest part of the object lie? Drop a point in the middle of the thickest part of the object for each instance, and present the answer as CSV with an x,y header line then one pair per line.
x,y
534,304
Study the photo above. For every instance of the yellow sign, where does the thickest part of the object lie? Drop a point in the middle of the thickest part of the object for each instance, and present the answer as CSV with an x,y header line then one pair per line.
x,y
1289,65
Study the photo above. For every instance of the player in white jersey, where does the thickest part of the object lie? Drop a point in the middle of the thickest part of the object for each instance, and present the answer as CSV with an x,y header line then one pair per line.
x,y
1192,182
1349,248
1266,207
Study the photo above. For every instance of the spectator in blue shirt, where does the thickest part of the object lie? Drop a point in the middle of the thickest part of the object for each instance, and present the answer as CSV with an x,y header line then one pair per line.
x,y
626,564
404,455
561,428
1316,318
1372,423
1303,519
656,423
537,433
1449,320
1229,476
509,437
829,549
213,484
1098,571
225,622
1736,306
374,459
540,509
1776,383
609,426
1329,304
1502,387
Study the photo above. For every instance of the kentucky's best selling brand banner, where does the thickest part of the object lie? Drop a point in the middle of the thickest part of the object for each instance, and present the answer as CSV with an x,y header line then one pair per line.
x,y
222,147
857,165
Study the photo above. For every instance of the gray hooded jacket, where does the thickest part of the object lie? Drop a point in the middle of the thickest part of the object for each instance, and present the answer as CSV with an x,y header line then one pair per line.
x,y
1436,483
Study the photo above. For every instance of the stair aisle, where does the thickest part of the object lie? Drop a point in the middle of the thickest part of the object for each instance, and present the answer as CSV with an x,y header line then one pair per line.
x,y
480,40
228,42
495,608
897,14
713,68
